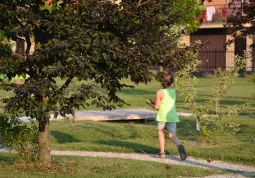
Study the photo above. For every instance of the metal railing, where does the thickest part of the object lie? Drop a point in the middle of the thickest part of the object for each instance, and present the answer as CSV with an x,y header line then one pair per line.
x,y
214,59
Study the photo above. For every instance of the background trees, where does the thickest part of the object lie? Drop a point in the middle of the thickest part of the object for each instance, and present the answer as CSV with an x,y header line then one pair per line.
x,y
97,42
243,23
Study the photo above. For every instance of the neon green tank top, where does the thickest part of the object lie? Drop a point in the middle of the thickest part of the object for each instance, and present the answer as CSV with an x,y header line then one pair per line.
x,y
167,109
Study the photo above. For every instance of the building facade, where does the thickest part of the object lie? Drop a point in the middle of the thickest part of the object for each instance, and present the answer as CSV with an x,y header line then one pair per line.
x,y
212,31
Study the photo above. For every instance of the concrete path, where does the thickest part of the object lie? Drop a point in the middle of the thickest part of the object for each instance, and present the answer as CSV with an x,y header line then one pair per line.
x,y
234,170
117,114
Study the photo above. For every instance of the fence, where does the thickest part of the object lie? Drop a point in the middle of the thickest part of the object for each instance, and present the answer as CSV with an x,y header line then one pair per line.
x,y
214,59
211,60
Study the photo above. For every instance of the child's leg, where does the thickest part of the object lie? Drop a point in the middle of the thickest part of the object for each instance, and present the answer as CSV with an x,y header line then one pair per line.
x,y
173,137
181,148
161,136
171,127
161,140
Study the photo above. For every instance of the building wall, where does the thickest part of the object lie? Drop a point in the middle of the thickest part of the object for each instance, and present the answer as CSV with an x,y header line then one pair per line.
x,y
210,30
186,40
215,2
219,7
212,55
230,54
250,61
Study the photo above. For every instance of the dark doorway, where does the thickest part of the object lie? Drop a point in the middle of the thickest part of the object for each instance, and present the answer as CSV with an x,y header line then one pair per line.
x,y
240,45
213,54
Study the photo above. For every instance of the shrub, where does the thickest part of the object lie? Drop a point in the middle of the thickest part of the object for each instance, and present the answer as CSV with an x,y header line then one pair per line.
x,y
20,136
211,122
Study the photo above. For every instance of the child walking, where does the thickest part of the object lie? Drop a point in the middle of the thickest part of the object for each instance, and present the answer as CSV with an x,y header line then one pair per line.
x,y
166,115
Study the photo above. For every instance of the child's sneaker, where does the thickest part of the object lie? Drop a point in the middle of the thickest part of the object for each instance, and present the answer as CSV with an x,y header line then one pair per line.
x,y
182,152
161,155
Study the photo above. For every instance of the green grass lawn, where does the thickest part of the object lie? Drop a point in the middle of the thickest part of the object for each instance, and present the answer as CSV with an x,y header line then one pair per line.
x,y
142,138
71,166
132,138
242,92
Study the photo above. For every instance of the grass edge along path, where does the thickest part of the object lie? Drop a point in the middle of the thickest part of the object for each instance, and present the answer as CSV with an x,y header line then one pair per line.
x,y
218,168
78,166
172,160
142,138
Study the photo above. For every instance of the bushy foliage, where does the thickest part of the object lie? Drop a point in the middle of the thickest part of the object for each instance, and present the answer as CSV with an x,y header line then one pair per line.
x,y
19,136
96,42
5,48
243,24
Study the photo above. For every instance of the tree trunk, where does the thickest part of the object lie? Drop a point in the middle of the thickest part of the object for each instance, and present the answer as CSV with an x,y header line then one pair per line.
x,y
74,112
74,116
44,142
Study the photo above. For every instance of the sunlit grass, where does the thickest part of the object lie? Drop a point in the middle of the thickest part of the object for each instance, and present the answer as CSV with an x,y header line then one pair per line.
x,y
142,138
240,93
74,166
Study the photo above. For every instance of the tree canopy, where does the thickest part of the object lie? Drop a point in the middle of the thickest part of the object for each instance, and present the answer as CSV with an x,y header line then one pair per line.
x,y
98,42
243,22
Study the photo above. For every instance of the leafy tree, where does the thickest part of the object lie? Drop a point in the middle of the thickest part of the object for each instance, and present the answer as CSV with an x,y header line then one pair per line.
x,y
242,22
95,42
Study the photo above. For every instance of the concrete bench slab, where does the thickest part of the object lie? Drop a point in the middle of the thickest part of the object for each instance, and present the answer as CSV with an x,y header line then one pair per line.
x,y
114,115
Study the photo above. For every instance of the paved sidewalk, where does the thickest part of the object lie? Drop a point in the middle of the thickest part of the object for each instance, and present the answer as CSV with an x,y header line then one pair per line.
x,y
117,114
235,169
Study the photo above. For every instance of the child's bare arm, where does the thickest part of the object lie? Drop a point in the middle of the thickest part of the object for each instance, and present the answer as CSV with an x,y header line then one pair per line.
x,y
155,105
151,103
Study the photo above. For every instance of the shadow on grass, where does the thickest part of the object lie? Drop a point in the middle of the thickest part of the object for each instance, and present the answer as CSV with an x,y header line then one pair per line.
x,y
138,148
10,159
137,92
186,129
63,137
108,131
132,130
229,97
246,129
225,101
208,166
248,111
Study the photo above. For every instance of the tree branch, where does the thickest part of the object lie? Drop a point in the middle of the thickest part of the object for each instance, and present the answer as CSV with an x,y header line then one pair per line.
x,y
140,3
68,81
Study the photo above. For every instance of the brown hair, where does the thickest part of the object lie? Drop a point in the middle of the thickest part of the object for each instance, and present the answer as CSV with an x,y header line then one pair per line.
x,y
168,79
